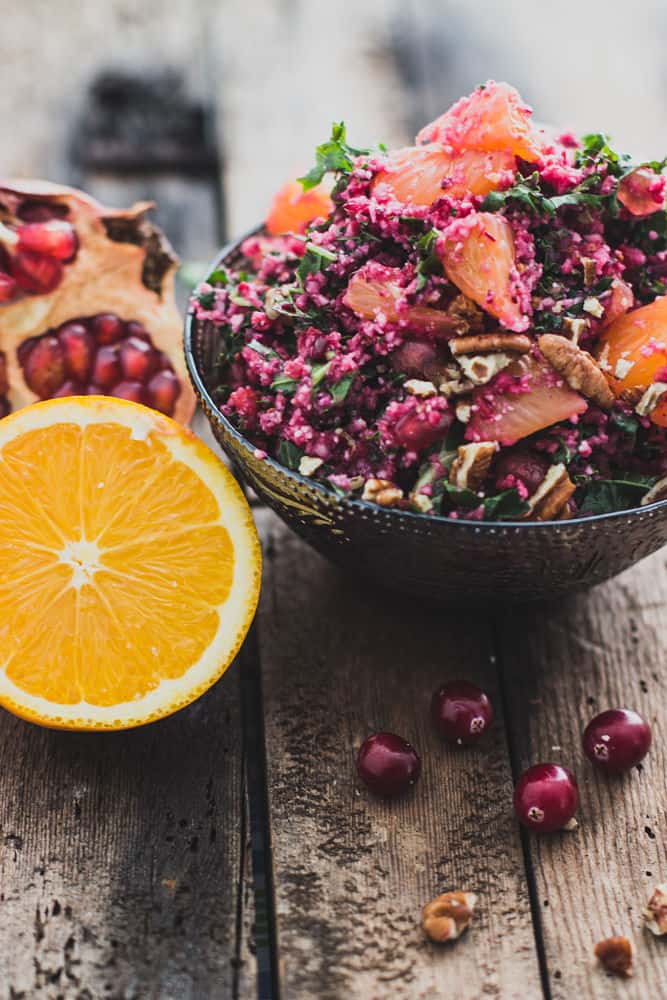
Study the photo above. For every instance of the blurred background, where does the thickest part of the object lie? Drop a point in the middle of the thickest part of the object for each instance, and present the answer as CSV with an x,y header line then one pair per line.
x,y
208,105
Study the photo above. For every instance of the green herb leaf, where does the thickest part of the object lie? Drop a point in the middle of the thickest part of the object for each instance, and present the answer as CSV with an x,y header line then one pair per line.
x,y
259,348
333,156
286,385
430,262
505,506
340,390
606,495
460,497
290,455
318,373
314,260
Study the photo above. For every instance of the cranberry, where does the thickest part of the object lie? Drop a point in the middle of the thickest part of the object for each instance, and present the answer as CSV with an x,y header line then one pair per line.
x,y
461,712
617,739
8,287
415,433
79,348
387,764
35,272
107,328
546,797
55,238
44,368
528,466
163,391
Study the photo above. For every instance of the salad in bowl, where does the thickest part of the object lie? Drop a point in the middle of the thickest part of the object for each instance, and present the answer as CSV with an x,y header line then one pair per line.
x,y
473,327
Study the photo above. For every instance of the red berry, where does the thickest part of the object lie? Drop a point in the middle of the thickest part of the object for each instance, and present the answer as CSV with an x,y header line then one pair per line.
x,y
617,739
35,272
138,359
387,764
106,370
461,712
414,432
107,328
8,287
55,238
163,391
133,391
546,797
79,348
44,367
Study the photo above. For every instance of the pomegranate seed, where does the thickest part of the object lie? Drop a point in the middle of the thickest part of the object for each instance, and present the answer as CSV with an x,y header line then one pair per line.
x,y
69,388
8,287
546,797
24,349
133,391
36,273
528,466
93,390
41,211
617,739
134,329
138,359
415,433
163,391
461,712
108,328
387,764
44,368
79,348
106,370
55,238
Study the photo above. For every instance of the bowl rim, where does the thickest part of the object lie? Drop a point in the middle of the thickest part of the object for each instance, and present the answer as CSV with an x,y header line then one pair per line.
x,y
231,247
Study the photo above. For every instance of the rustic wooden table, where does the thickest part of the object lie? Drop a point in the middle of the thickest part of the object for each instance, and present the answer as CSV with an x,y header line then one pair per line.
x,y
228,851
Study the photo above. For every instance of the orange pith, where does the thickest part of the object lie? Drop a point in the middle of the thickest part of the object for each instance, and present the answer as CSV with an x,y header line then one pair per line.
x,y
130,564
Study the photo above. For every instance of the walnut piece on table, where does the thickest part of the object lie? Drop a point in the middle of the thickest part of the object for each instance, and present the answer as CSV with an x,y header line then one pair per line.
x,y
655,913
447,916
615,955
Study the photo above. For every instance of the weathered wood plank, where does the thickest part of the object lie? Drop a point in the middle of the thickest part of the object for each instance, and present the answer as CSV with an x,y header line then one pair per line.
x,y
562,665
352,871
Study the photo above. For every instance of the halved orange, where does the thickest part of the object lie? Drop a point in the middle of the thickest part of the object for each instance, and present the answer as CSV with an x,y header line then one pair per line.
x,y
130,564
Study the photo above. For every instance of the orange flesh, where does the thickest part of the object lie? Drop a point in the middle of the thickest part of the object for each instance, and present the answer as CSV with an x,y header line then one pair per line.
x,y
292,208
638,338
419,175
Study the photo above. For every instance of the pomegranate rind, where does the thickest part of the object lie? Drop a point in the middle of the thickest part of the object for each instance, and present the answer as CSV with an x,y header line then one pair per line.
x,y
106,276
176,444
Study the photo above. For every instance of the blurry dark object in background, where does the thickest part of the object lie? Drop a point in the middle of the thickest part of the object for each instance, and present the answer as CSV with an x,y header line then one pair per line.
x,y
144,122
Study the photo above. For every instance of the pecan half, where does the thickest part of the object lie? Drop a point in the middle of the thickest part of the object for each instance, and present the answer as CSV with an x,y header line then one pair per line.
x,y
655,914
466,312
447,916
615,954
481,368
551,496
382,492
651,398
471,464
309,464
577,367
485,342
657,492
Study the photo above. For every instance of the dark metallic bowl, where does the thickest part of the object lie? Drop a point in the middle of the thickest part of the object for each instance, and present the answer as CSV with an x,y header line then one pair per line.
x,y
436,558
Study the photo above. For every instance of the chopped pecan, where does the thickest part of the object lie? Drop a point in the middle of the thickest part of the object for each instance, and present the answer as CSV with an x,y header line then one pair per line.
x,y
615,954
655,914
651,398
485,342
309,464
551,496
481,368
447,916
577,367
623,367
574,327
471,464
632,395
463,411
421,503
657,492
417,387
590,270
382,492
455,387
466,312
594,307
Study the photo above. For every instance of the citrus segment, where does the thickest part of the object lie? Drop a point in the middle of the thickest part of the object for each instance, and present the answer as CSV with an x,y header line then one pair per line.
x,y
633,350
130,564
292,208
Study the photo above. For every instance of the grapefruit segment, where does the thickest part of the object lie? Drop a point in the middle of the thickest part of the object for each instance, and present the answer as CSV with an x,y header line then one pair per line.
x,y
633,351
292,208
419,175
130,564
493,117
369,294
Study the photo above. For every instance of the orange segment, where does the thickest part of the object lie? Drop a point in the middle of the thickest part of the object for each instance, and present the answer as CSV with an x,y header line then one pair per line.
x,y
493,117
293,208
633,350
370,295
419,175
130,564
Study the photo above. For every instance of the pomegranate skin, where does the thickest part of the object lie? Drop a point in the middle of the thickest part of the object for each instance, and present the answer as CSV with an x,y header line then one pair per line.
x,y
617,740
387,764
546,797
461,712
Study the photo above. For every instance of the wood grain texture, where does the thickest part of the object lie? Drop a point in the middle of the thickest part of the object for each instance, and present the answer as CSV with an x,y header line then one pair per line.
x,y
562,664
351,871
